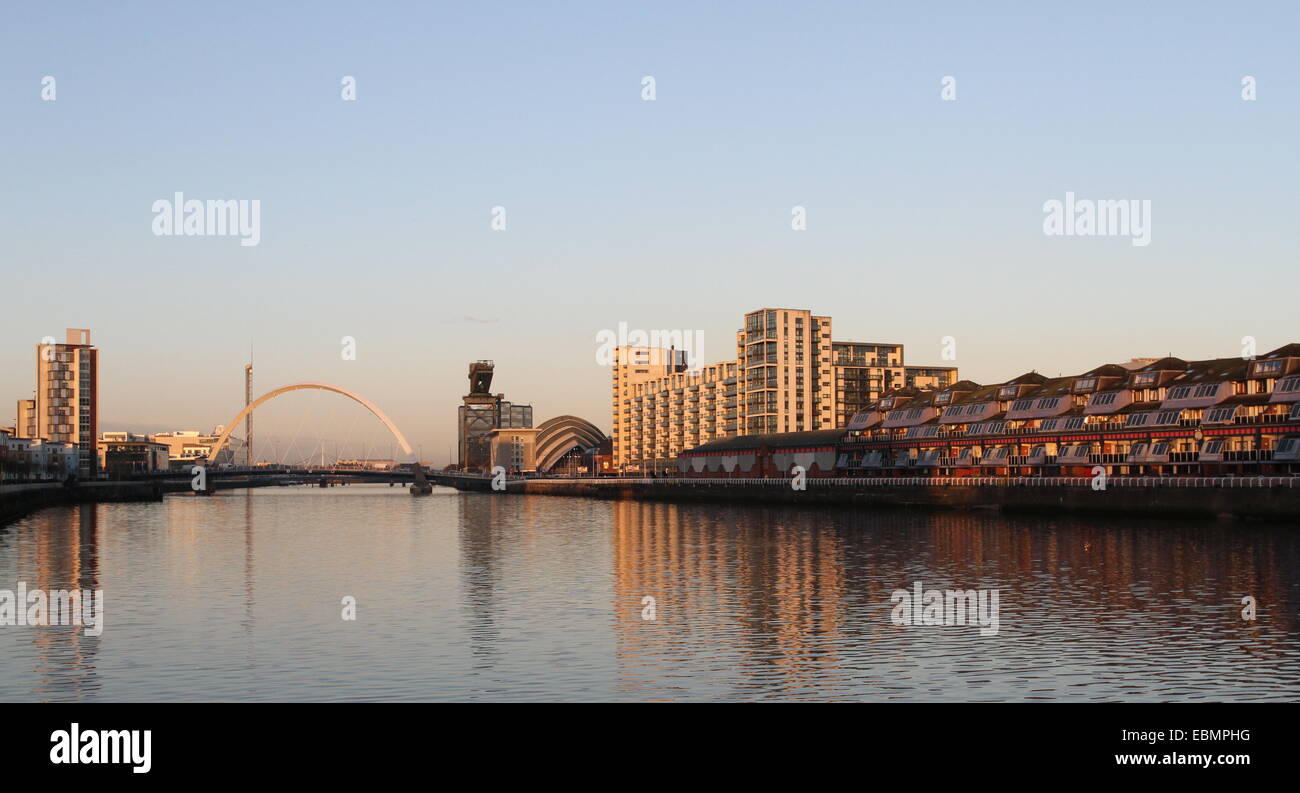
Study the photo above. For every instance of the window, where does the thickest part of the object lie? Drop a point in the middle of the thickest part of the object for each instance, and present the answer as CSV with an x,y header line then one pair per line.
x,y
1207,390
975,409
1073,423
1137,419
1212,447
1287,446
1137,450
953,412
1268,368
1077,451
1219,415
1102,400
1165,418
995,427
1049,425
1022,404
1159,449
1295,412
1180,392
943,399
1084,384
976,429
1144,379
1007,392
1289,385
1048,403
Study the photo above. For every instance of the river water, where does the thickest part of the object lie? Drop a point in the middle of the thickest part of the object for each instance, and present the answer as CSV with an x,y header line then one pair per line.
x,y
462,596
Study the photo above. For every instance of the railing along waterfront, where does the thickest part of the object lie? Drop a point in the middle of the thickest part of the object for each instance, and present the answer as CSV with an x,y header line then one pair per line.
x,y
949,481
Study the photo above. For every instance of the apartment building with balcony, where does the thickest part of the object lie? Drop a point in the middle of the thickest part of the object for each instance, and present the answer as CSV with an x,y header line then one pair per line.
x,y
786,372
1147,417
660,409
788,376
25,421
66,404
929,376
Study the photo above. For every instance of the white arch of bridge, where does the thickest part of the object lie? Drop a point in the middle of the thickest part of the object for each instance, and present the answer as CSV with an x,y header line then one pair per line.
x,y
355,397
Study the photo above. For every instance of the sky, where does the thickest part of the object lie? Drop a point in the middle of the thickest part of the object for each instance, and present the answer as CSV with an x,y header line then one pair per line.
x,y
924,215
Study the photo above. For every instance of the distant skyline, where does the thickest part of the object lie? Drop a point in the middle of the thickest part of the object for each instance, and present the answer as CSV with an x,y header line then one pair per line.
x,y
924,216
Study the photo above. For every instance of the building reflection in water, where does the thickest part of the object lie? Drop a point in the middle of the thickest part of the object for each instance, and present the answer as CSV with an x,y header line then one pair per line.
x,y
480,523
481,596
796,603
59,549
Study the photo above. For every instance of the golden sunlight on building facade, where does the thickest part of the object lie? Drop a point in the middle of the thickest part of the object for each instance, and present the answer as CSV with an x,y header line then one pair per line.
x,y
788,376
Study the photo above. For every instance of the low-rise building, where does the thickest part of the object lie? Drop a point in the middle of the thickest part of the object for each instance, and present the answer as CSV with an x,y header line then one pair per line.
x,y
187,447
30,459
124,454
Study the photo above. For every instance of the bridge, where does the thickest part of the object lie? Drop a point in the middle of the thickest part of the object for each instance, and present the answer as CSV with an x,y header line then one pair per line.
x,y
289,475
267,397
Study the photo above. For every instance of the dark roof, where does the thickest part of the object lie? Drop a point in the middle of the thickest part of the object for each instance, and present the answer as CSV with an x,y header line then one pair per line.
x,y
1053,387
1106,370
775,440
1167,364
1028,378
1285,351
1215,370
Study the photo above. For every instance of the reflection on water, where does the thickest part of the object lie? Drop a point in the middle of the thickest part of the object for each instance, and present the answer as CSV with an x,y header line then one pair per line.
x,y
475,596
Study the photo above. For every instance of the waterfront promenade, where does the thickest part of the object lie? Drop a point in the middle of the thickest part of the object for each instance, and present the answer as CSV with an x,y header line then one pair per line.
x,y
1271,498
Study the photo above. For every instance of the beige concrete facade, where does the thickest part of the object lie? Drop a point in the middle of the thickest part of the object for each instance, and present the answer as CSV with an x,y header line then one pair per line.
x,y
788,376
67,395
659,409
786,372
514,449
25,419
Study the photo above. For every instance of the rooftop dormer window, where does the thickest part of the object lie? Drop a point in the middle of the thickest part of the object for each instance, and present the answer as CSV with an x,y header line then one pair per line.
x,y
1107,398
1289,385
1084,384
943,399
1165,418
1144,379
1220,415
1270,368
1022,404
1007,392
1180,392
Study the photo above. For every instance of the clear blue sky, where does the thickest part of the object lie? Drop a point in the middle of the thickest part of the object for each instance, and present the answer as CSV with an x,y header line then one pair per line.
x,y
924,216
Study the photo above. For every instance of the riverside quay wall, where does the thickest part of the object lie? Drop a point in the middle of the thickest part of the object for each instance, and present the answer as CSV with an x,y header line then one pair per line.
x,y
19,500
1267,498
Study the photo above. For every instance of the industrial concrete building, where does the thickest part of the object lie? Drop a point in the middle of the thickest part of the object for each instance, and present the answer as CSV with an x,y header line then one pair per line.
x,y
480,414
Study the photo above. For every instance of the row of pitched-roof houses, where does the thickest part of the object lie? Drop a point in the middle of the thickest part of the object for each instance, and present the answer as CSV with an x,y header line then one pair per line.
x,y
1149,417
